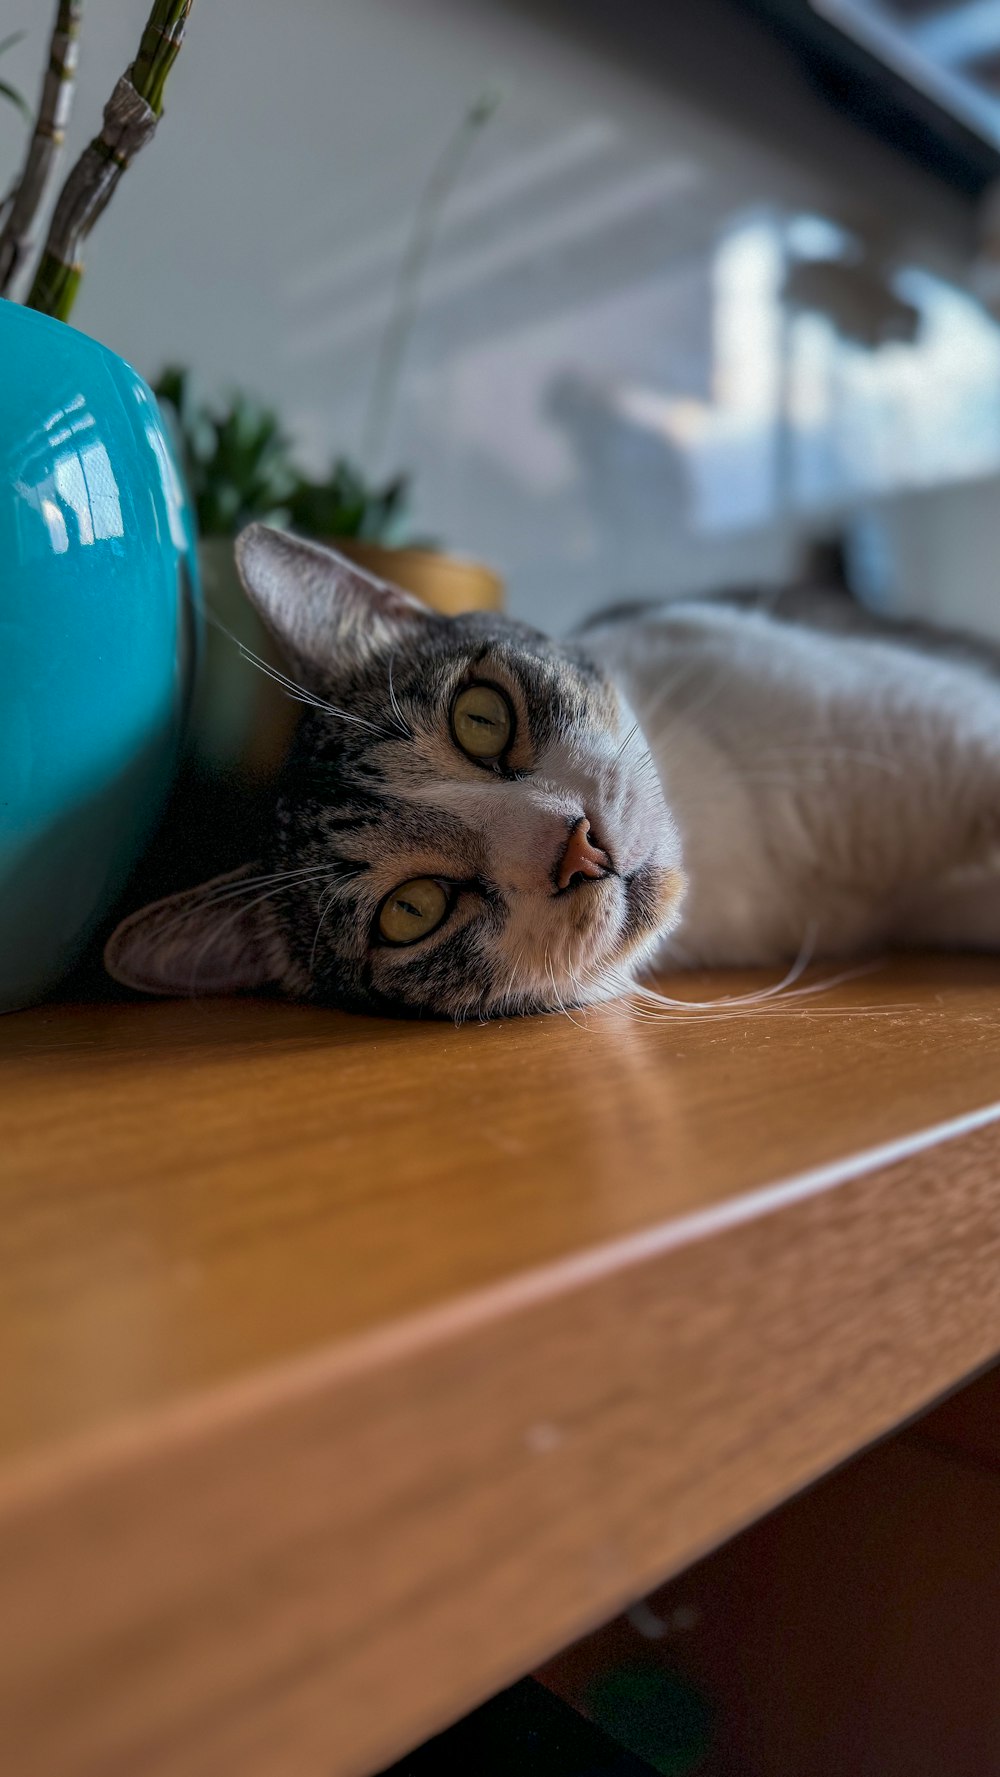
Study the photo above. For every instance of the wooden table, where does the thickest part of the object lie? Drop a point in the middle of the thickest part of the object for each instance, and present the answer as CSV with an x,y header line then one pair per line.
x,y
351,1368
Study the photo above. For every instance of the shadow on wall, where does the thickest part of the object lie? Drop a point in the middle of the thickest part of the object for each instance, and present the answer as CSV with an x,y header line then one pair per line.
x,y
633,481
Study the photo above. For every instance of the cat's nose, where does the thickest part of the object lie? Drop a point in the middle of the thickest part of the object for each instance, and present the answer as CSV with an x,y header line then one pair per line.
x,y
582,857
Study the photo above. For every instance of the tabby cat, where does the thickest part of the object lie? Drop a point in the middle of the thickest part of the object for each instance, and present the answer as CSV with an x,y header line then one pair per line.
x,y
475,820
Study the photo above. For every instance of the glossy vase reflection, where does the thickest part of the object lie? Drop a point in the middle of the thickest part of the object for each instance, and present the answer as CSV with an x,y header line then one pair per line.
x,y
97,637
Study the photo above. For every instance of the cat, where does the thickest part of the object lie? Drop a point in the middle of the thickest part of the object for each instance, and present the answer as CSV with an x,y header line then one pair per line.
x,y
475,820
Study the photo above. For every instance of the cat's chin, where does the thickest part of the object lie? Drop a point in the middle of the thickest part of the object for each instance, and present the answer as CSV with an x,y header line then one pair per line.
x,y
653,912
654,898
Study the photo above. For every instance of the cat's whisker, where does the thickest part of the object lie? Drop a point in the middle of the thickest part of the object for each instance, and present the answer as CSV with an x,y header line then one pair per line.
x,y
326,901
772,1009
290,686
483,1016
629,738
224,889
232,891
237,892
279,883
298,693
404,727
753,998
756,997
632,1002
243,891
561,1005
513,974
581,987
780,993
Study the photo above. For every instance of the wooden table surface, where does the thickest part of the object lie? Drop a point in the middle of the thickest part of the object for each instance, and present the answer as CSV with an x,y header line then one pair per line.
x,y
352,1368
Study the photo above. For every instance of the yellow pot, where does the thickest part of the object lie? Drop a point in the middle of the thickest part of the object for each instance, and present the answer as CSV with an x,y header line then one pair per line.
x,y
447,583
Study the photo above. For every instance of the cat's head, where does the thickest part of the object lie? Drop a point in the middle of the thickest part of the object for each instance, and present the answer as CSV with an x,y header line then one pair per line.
x,y
469,823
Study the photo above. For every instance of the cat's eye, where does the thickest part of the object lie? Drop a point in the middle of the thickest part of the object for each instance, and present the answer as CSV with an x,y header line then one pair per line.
x,y
412,911
482,722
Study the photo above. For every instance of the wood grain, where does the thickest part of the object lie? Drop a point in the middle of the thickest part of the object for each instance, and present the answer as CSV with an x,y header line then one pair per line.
x,y
337,1352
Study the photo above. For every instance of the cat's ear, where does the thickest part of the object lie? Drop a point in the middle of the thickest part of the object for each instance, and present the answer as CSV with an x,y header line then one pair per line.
x,y
325,613
211,939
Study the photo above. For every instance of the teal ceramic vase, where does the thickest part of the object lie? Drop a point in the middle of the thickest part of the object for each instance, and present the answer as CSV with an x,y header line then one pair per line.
x,y
97,639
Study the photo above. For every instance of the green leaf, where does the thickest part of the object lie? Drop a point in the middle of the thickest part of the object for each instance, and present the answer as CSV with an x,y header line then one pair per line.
x,y
239,466
11,93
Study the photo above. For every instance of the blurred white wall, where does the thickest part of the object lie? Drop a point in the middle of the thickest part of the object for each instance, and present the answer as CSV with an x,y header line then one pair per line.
x,y
603,395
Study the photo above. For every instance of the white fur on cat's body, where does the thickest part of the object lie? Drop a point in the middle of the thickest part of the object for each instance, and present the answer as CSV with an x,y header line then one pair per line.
x,y
831,792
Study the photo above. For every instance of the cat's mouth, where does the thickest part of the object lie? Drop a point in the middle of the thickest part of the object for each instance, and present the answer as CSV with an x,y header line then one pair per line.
x,y
653,896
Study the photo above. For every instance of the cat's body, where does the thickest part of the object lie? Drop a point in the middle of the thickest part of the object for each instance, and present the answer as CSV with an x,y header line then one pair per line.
x,y
835,779
475,820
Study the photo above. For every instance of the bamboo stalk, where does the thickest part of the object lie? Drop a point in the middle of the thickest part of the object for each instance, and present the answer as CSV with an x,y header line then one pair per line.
x,y
54,105
130,119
